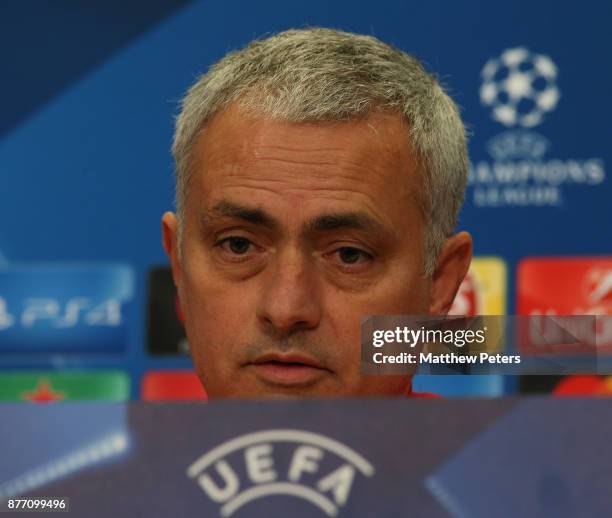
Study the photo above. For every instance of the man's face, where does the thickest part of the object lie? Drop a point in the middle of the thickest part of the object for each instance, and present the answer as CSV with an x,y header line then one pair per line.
x,y
293,233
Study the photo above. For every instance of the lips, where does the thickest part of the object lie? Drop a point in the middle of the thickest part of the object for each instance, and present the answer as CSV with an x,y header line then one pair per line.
x,y
287,369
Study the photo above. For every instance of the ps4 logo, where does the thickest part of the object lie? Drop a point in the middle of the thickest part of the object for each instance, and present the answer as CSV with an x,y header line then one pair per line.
x,y
52,312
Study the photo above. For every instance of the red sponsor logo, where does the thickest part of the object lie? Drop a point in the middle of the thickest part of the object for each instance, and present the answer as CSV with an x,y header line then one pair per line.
x,y
43,393
565,286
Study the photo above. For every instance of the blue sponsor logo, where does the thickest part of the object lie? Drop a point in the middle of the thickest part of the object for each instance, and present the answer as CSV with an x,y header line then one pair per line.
x,y
65,308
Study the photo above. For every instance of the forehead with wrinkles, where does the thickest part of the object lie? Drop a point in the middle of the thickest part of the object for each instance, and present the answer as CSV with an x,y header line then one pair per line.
x,y
367,160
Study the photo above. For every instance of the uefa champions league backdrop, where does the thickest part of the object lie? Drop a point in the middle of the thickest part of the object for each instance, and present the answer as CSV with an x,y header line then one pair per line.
x,y
89,93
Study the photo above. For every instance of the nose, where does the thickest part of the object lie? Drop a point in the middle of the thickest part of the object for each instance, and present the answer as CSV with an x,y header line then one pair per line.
x,y
289,299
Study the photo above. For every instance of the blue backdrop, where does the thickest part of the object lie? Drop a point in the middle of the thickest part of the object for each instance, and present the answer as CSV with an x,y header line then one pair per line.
x,y
89,94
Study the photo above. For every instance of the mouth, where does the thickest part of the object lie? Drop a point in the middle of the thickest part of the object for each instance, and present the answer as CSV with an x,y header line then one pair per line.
x,y
287,369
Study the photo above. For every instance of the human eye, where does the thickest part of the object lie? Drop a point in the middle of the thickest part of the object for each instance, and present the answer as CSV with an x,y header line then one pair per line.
x,y
351,258
236,247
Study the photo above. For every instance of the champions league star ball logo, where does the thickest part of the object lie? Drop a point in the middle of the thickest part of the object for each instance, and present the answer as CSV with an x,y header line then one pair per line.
x,y
520,87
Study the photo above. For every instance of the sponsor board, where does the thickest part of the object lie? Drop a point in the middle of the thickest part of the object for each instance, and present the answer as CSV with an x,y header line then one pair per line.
x,y
547,287
180,385
65,308
165,331
51,386
483,291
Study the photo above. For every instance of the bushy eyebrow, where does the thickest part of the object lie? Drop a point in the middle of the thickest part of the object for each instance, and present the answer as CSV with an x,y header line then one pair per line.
x,y
342,220
227,209
332,221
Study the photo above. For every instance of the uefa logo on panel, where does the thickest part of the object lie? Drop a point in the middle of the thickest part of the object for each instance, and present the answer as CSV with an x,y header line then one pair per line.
x,y
248,468
520,88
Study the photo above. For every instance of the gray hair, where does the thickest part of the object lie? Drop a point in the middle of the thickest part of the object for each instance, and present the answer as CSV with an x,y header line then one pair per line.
x,y
319,74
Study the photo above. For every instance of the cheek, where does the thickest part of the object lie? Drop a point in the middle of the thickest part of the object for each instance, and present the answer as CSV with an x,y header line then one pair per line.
x,y
216,314
405,290
344,311
395,294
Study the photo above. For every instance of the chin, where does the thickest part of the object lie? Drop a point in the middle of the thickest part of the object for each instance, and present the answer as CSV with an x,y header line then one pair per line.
x,y
260,390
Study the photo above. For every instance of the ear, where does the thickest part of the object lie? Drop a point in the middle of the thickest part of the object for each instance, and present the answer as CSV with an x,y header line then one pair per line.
x,y
169,240
452,266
